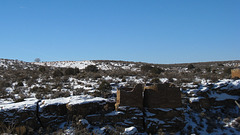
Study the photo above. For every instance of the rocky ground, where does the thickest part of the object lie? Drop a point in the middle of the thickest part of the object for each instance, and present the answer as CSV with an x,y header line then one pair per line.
x,y
79,97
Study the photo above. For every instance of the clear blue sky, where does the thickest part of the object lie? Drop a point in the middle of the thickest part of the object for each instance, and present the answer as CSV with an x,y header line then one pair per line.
x,y
155,31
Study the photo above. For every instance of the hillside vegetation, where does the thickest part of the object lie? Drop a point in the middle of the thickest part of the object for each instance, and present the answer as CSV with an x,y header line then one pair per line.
x,y
208,93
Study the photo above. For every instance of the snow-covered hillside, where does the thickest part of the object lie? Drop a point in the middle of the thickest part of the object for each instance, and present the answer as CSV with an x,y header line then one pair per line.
x,y
103,65
59,96
15,64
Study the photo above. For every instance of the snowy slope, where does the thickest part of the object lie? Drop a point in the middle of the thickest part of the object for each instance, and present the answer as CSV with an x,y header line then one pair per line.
x,y
83,64
15,64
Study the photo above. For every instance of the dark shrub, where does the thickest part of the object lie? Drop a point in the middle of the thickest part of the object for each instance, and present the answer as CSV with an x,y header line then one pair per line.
x,y
91,68
5,84
197,70
58,94
220,65
42,69
22,97
78,91
20,84
208,69
105,89
39,95
156,70
41,92
37,60
227,70
70,71
105,86
146,68
96,94
3,92
190,66
170,80
76,70
155,80
57,73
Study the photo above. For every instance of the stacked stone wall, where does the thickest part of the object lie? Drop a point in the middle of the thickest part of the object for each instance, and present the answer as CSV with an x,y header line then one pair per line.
x,y
162,96
235,73
131,98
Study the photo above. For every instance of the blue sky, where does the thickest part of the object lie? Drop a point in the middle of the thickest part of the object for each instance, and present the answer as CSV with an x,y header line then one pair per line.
x,y
154,31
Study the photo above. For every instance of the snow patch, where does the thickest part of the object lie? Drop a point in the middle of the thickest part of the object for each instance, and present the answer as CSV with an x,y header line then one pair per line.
x,y
130,131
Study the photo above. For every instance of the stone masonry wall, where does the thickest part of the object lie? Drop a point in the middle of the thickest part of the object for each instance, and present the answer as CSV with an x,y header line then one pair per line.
x,y
130,97
151,108
162,96
156,96
235,73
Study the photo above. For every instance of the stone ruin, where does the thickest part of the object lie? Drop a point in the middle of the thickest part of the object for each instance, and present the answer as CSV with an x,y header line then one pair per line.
x,y
160,104
130,97
153,96
235,73
149,109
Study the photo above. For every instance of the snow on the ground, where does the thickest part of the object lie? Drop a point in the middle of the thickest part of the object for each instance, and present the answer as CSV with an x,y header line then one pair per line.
x,y
84,64
231,84
163,80
223,96
114,113
11,64
194,99
28,104
156,120
130,131
83,99
148,114
164,109
72,64
225,84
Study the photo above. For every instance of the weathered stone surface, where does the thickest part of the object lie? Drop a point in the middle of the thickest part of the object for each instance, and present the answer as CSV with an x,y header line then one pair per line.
x,y
235,73
53,115
234,92
91,108
55,109
130,97
150,107
165,119
155,96
125,117
162,96
162,114
19,118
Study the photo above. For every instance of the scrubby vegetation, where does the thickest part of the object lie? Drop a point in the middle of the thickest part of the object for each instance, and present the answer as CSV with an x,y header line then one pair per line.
x,y
20,80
